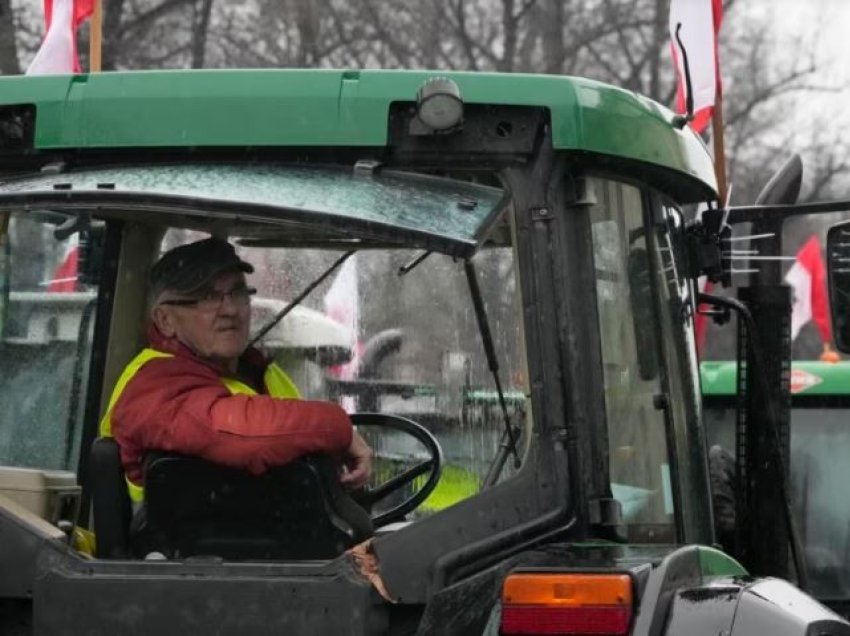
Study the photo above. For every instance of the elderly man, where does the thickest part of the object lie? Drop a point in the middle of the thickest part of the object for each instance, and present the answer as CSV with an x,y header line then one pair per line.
x,y
197,389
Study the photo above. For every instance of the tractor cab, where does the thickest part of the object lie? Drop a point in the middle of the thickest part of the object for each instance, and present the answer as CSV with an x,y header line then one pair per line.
x,y
494,274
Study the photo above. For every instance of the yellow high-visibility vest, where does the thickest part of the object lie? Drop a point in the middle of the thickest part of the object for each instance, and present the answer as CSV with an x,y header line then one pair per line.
x,y
276,382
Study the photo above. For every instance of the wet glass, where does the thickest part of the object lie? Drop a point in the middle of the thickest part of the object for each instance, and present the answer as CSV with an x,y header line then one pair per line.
x,y
819,473
455,210
406,345
45,346
637,434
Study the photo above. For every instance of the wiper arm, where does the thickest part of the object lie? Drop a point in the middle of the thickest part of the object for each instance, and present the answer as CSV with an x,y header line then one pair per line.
x,y
295,301
509,438
407,267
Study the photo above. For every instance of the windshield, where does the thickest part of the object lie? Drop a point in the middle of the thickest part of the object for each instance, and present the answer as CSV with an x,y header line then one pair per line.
x,y
391,332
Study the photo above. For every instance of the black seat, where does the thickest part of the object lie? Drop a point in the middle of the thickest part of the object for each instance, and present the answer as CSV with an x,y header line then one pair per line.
x,y
111,504
194,507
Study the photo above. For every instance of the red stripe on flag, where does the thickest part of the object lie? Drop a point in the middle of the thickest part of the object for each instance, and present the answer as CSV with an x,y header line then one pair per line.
x,y
65,277
58,51
701,322
807,278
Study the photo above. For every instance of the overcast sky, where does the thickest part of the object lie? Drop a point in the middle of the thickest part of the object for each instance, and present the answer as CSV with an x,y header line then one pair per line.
x,y
827,22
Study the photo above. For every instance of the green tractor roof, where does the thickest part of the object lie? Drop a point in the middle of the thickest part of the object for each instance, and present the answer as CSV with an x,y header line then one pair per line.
x,y
333,108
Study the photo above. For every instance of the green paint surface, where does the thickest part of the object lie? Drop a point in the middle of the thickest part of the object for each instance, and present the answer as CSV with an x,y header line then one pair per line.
x,y
713,562
322,108
807,378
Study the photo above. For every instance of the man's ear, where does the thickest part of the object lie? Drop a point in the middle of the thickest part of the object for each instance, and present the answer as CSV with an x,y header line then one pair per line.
x,y
164,321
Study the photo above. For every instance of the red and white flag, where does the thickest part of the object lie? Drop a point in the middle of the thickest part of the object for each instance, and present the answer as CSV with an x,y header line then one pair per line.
x,y
66,273
807,278
698,24
58,52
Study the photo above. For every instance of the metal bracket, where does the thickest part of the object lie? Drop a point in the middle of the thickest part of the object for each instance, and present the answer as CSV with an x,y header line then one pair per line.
x,y
704,243
607,515
584,194
72,225
54,167
541,214
366,167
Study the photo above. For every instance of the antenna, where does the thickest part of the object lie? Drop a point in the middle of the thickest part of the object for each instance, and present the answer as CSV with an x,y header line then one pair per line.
x,y
680,120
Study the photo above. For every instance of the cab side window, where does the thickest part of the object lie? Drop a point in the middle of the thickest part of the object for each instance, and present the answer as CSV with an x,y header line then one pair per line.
x,y
46,321
637,428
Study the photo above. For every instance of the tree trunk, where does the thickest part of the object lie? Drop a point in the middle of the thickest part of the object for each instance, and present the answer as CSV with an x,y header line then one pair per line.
x,y
9,64
659,38
112,12
200,28
509,31
553,37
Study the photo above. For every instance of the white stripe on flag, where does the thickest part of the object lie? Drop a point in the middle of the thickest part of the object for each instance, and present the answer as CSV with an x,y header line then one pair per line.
x,y
800,280
56,55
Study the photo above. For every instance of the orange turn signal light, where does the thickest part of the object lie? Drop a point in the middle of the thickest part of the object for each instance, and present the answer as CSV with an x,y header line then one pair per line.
x,y
566,603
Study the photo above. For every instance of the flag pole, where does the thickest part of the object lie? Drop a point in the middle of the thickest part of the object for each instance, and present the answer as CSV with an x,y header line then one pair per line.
x,y
95,37
719,147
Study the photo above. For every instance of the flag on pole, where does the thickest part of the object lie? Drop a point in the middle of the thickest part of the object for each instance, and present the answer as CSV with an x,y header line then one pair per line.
x,y
807,278
698,25
58,52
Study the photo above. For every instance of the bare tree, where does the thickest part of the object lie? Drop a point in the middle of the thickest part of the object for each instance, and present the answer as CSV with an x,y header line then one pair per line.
x,y
9,64
623,42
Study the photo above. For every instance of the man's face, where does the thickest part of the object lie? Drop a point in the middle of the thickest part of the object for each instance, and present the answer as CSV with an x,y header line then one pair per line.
x,y
212,329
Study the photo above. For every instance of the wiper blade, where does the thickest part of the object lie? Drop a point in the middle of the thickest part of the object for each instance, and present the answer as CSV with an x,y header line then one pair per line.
x,y
295,301
509,444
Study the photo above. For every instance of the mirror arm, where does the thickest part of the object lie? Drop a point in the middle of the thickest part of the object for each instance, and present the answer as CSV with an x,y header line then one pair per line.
x,y
705,246
719,315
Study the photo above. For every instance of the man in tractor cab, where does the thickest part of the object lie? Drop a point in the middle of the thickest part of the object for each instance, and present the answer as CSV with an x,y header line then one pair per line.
x,y
199,390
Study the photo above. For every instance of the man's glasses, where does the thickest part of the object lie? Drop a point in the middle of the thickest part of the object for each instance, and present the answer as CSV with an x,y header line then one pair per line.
x,y
213,299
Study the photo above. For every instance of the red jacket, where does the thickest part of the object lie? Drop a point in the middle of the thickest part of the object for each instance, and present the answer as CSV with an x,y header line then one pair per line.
x,y
179,404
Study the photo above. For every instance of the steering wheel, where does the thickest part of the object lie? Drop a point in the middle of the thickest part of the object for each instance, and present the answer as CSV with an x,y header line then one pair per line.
x,y
433,466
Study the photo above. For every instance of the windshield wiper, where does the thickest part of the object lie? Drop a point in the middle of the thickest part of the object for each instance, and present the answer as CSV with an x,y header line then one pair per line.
x,y
508,444
295,301
407,267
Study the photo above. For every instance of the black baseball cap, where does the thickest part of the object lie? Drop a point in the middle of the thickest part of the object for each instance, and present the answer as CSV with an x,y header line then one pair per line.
x,y
189,267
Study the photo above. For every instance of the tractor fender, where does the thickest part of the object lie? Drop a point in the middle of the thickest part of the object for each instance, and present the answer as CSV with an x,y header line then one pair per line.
x,y
774,606
742,606
699,590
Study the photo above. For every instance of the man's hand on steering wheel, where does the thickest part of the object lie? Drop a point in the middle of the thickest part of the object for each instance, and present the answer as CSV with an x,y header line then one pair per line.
x,y
357,463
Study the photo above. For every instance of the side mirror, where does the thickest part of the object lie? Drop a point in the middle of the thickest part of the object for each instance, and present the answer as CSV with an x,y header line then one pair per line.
x,y
784,185
838,264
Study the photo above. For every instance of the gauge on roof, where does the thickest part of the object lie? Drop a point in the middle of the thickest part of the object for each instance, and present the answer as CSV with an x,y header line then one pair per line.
x,y
439,104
